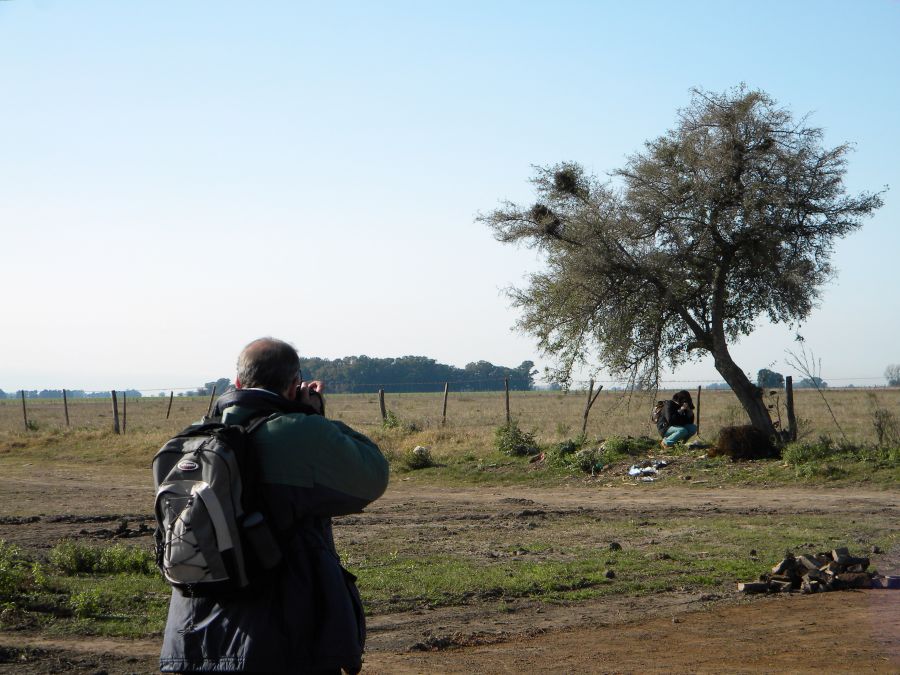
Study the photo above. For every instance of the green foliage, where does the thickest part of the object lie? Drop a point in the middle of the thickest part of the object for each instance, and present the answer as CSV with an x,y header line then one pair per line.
x,y
511,440
575,454
39,575
13,570
73,558
391,421
618,447
885,424
85,603
417,458
828,459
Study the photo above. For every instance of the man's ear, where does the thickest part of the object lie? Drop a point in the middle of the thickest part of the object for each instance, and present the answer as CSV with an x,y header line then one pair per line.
x,y
291,393
237,384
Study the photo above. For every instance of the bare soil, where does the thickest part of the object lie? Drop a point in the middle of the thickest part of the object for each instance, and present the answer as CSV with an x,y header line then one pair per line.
x,y
855,631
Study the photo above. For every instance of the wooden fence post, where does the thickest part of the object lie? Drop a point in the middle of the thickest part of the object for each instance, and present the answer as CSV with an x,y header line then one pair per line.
x,y
699,389
124,411
212,396
24,411
444,409
115,407
66,406
381,404
169,409
591,397
789,403
506,387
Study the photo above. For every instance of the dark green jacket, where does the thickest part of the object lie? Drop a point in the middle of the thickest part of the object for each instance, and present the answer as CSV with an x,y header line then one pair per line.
x,y
308,616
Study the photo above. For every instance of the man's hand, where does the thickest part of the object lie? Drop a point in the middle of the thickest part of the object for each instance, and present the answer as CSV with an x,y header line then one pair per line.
x,y
310,394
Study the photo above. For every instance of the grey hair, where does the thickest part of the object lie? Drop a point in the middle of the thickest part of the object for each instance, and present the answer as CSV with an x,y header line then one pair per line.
x,y
268,363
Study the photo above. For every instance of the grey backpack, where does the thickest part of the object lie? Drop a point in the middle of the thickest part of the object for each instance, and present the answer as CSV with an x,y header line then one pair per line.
x,y
211,534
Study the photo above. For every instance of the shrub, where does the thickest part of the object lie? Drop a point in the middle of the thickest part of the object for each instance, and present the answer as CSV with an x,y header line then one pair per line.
x,y
511,440
120,559
588,460
618,447
85,603
566,448
804,453
13,570
391,421
887,430
573,454
71,558
811,459
417,458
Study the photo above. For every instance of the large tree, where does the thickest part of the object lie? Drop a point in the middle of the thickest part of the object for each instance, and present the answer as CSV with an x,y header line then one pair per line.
x,y
729,216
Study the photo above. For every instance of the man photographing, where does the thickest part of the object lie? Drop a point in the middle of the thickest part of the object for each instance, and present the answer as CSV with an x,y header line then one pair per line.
x,y
305,616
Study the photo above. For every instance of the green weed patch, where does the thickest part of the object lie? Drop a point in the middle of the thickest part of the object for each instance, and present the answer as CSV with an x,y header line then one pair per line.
x,y
82,590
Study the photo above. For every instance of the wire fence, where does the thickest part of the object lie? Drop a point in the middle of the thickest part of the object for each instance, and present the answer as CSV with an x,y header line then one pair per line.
x,y
551,414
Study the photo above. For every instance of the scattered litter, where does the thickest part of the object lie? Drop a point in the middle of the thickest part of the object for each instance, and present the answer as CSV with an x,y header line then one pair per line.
x,y
648,468
816,573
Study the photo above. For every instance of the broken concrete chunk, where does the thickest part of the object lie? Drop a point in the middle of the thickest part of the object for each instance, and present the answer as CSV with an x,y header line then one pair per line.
x,y
838,552
853,580
785,566
846,561
811,562
810,586
780,586
753,587
816,575
781,578
832,568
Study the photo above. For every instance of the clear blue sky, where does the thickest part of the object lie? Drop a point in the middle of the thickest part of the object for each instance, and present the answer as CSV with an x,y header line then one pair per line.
x,y
177,178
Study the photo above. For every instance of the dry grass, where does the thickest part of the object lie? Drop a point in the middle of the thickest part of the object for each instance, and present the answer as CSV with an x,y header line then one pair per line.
x,y
471,419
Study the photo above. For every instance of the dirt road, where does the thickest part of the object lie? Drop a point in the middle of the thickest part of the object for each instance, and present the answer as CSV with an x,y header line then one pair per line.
x,y
672,632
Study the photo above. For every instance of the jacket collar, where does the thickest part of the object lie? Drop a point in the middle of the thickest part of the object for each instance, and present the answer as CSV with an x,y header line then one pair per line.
x,y
259,399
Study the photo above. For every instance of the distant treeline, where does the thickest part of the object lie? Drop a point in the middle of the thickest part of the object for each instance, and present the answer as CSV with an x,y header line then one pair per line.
x,y
70,393
360,374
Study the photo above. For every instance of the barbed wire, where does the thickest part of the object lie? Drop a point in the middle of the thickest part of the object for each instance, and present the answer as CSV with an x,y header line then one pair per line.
x,y
576,385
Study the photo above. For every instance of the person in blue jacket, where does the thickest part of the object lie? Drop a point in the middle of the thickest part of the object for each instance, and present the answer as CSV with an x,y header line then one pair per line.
x,y
676,419
307,616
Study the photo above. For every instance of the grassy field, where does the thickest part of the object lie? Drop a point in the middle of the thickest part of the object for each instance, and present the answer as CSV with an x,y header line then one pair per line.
x,y
552,416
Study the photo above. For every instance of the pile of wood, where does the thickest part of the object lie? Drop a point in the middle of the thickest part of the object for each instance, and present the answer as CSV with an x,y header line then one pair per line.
x,y
833,571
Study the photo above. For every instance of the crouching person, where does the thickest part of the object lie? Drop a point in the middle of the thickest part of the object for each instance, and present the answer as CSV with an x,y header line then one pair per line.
x,y
305,615
676,419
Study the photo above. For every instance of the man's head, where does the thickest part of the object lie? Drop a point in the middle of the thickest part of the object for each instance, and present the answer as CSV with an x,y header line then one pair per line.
x,y
270,364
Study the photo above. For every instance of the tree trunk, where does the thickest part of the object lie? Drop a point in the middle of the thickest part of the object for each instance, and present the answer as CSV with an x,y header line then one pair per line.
x,y
747,393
